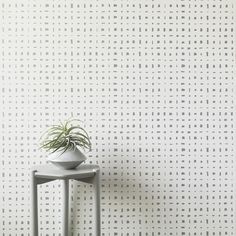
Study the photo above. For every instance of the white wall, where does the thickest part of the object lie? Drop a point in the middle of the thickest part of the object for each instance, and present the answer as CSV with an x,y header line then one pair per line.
x,y
153,81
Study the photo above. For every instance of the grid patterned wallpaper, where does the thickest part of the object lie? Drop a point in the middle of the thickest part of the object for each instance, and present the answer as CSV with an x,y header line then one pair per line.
x,y
153,81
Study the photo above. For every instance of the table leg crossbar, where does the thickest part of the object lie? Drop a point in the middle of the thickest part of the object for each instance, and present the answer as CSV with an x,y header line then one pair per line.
x,y
95,181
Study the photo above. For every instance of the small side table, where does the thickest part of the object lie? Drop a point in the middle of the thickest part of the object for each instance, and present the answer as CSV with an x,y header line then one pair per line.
x,y
46,173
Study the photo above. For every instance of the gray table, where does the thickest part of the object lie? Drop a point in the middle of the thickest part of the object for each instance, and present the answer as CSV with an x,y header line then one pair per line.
x,y
46,173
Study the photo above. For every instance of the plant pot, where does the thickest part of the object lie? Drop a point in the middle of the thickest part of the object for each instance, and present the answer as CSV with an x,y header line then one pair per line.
x,y
67,160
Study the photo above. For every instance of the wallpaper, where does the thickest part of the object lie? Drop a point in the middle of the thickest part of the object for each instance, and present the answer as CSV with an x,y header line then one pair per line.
x,y
152,81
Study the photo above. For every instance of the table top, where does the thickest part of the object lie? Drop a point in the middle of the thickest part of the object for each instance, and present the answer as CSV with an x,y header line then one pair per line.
x,y
50,171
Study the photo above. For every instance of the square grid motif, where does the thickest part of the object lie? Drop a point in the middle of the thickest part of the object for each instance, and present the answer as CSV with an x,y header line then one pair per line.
x,y
153,81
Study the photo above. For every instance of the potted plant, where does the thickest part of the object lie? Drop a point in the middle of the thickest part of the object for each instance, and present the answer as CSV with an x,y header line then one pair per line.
x,y
64,142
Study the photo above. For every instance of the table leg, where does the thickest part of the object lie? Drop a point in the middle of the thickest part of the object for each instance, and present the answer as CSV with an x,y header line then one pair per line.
x,y
65,199
34,204
96,183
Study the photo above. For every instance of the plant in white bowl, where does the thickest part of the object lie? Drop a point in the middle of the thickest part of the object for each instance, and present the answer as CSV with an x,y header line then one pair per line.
x,y
64,143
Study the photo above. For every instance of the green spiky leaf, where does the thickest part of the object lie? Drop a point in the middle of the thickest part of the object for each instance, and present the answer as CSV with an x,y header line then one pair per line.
x,y
65,136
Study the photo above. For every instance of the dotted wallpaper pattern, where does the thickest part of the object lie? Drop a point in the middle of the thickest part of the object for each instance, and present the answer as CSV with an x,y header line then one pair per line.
x,y
153,81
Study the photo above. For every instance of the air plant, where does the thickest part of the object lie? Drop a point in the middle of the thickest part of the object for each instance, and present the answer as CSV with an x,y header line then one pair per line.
x,y
65,136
